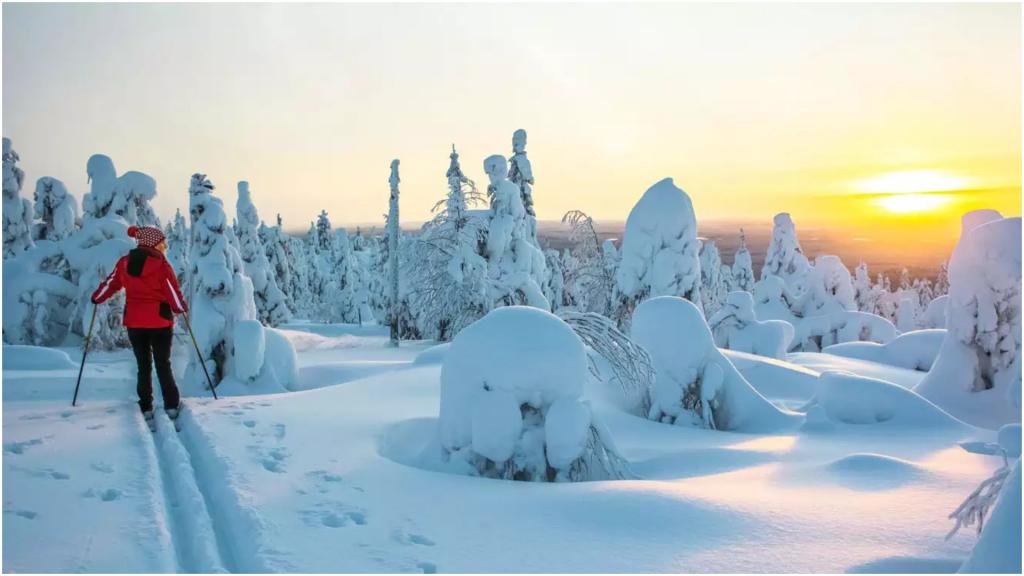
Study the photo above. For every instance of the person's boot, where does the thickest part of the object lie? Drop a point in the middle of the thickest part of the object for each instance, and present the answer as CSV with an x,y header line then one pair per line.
x,y
172,413
150,420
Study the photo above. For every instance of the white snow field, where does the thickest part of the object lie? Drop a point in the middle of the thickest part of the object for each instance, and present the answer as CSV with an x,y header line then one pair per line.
x,y
335,475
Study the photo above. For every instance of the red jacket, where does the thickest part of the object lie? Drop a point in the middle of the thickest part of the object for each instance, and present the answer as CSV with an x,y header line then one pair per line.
x,y
151,288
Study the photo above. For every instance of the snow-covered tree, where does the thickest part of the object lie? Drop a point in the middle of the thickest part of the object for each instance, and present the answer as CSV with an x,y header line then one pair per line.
x,y
520,173
271,305
501,417
712,287
554,286
56,210
447,287
178,244
224,318
590,280
742,267
346,300
977,374
515,263
17,211
394,306
728,282
659,255
276,247
941,287
864,293
127,196
38,296
785,258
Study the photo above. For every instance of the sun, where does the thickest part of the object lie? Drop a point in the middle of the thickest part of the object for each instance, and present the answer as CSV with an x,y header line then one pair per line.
x,y
912,191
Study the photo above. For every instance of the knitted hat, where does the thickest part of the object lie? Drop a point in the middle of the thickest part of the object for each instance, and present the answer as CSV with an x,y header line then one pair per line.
x,y
147,236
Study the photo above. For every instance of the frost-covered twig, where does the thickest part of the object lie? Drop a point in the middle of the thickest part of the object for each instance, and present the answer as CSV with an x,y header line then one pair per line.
x,y
973,510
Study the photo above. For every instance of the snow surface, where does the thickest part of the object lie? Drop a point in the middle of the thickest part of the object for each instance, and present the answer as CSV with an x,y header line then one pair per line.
x,y
320,481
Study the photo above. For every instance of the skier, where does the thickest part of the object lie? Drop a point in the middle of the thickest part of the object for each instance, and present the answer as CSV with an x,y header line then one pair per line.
x,y
152,299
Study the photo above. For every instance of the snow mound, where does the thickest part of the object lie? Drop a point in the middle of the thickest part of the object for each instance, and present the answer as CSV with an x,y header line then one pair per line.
x,y
511,387
912,350
1009,440
846,399
868,471
35,358
695,384
432,355
736,327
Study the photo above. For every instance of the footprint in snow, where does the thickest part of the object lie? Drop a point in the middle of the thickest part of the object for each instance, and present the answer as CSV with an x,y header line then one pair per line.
x,y
336,518
95,426
279,431
249,423
409,538
427,567
27,514
32,417
272,465
110,494
102,467
19,447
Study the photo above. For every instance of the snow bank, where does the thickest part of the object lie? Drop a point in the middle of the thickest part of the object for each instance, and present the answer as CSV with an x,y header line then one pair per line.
x,y
846,399
36,358
432,355
977,374
735,327
511,387
695,384
913,350
659,249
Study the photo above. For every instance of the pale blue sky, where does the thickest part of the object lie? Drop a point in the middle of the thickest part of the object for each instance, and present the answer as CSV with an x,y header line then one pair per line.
x,y
751,108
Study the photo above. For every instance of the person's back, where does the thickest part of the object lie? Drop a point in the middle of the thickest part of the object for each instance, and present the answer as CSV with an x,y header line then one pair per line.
x,y
152,297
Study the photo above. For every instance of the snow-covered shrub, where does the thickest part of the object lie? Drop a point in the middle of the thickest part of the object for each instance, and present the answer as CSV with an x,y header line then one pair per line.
x,y
912,350
589,278
659,250
223,307
276,246
56,210
977,375
712,285
785,258
38,301
630,364
846,399
346,294
935,314
695,385
17,211
515,263
554,283
511,408
864,293
736,327
827,288
270,301
742,267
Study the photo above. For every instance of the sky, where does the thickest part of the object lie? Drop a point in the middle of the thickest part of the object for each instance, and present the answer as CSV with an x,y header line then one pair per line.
x,y
891,119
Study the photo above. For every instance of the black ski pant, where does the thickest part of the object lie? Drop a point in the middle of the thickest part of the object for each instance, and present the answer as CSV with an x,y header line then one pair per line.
x,y
154,345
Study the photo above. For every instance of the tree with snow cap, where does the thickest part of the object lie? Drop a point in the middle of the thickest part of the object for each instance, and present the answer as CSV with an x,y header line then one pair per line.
x,y
393,254
785,258
660,250
55,208
521,172
977,374
126,196
712,288
17,211
270,300
742,268
515,264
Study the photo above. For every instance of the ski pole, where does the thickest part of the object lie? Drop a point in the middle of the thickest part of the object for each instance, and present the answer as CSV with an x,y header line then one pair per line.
x,y
88,338
200,355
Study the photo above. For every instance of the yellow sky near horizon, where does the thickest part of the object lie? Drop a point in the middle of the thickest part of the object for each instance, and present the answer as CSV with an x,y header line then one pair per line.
x,y
753,109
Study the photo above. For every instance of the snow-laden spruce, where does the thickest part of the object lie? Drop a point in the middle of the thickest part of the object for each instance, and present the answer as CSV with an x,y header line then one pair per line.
x,y
178,244
712,285
55,210
277,247
234,344
38,296
743,267
785,258
394,254
511,407
127,196
515,264
736,327
659,255
17,211
695,385
977,375
271,305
